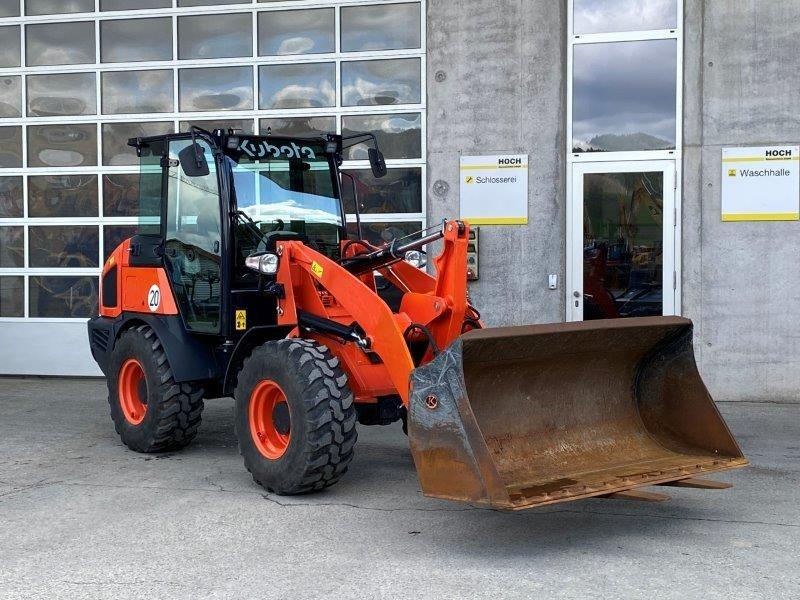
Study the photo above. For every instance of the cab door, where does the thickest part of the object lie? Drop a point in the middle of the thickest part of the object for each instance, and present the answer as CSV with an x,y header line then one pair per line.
x,y
193,241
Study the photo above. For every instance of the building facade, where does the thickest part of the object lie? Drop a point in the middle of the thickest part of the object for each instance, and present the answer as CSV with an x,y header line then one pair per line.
x,y
623,108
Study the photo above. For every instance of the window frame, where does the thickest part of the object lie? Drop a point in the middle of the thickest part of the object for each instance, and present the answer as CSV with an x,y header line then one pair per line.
x,y
676,155
252,114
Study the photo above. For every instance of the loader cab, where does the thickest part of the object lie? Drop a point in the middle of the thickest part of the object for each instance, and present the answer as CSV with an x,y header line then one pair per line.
x,y
209,201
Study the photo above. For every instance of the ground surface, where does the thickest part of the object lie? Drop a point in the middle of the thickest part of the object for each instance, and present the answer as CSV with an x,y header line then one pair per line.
x,y
83,517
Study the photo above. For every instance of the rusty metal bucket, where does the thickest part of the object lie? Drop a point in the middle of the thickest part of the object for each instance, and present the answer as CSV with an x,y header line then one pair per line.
x,y
528,416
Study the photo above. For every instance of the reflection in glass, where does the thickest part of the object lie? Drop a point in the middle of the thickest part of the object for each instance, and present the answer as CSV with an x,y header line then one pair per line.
x,y
59,43
12,297
10,46
11,198
74,246
298,126
375,82
129,92
63,297
140,4
399,192
62,145
399,136
9,8
244,125
383,233
10,147
129,40
625,96
116,151
114,235
10,96
51,7
62,196
219,88
381,27
120,195
150,188
623,247
215,36
296,32
297,85
63,94
607,16
12,247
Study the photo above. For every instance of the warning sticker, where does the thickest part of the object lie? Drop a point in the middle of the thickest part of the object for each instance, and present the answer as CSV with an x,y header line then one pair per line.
x,y
317,269
241,320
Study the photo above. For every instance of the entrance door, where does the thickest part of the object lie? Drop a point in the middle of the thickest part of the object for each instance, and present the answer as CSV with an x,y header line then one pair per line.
x,y
621,255
193,241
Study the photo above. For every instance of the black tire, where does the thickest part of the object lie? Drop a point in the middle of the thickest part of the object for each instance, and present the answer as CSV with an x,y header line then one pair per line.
x,y
323,416
173,410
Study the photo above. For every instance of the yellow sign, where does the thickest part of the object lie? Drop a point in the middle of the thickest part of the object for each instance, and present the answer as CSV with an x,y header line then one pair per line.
x,y
470,179
317,269
731,172
241,320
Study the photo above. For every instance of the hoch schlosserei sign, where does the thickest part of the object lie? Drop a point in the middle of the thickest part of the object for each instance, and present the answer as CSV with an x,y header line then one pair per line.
x,y
494,189
761,183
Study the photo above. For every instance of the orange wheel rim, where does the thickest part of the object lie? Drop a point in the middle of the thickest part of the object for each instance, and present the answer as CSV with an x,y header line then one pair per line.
x,y
133,391
270,421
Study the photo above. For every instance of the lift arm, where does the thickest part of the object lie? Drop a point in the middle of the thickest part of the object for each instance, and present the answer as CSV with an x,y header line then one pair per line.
x,y
439,304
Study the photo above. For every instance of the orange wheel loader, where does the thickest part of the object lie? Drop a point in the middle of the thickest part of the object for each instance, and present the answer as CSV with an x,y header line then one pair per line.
x,y
243,281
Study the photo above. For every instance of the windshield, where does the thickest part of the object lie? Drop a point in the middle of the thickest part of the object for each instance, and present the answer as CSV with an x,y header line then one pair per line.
x,y
288,187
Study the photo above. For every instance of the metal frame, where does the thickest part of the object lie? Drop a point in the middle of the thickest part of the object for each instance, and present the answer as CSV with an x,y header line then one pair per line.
x,y
669,258
573,262
254,114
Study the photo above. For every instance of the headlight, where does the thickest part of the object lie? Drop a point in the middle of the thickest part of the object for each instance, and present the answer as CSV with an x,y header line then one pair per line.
x,y
416,259
266,264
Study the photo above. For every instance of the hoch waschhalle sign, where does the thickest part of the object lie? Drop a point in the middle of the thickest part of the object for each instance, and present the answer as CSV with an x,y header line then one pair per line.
x,y
761,184
494,189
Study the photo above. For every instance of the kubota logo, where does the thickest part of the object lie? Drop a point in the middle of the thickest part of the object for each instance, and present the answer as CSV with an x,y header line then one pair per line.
x,y
263,149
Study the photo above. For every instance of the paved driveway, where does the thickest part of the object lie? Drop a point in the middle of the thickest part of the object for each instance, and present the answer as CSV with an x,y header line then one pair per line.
x,y
83,517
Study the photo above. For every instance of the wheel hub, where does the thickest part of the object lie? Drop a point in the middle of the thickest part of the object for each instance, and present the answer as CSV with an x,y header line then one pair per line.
x,y
270,419
132,391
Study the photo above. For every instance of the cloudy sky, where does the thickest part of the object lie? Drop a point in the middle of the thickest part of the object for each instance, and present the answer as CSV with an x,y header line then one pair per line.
x,y
605,16
625,88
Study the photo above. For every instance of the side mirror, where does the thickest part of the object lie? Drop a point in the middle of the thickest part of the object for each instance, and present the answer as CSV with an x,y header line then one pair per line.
x,y
193,161
377,162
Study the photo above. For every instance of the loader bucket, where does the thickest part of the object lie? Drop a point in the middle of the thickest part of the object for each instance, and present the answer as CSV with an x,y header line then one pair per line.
x,y
527,416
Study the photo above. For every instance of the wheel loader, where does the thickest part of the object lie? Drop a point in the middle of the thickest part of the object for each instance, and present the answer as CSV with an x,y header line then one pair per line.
x,y
244,280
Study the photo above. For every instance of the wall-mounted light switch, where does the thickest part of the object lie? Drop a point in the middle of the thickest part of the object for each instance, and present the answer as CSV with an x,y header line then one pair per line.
x,y
553,282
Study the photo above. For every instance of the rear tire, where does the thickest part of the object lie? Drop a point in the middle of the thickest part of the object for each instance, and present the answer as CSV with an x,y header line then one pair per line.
x,y
151,412
309,446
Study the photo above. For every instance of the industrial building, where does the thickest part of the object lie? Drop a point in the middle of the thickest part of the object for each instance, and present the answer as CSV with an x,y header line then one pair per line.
x,y
624,125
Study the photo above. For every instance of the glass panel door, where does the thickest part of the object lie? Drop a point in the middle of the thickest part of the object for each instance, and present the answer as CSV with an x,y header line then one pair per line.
x,y
622,249
193,241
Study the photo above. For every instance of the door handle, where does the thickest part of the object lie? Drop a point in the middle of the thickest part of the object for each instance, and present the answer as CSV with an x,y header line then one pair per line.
x,y
577,294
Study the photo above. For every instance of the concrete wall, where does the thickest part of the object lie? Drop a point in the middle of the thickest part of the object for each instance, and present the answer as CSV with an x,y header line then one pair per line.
x,y
496,85
740,279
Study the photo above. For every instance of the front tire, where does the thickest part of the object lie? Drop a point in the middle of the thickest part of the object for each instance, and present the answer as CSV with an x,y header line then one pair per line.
x,y
151,412
295,417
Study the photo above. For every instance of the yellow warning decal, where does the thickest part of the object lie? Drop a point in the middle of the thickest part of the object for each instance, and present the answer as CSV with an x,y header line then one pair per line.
x,y
241,320
317,269
731,172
